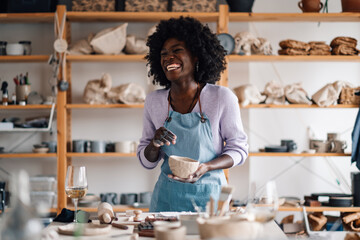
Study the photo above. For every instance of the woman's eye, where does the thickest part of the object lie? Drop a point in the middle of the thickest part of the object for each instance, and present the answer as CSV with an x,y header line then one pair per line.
x,y
178,50
163,53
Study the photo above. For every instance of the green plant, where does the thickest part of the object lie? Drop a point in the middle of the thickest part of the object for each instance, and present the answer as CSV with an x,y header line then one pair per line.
x,y
325,8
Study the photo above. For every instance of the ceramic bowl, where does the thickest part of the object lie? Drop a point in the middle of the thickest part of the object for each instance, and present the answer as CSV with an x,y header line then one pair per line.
x,y
182,166
223,227
40,150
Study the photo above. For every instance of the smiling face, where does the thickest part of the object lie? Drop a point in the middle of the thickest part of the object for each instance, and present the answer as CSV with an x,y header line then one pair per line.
x,y
177,61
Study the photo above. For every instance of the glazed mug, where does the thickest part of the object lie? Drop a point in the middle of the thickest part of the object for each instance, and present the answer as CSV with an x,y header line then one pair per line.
x,y
125,146
310,5
22,92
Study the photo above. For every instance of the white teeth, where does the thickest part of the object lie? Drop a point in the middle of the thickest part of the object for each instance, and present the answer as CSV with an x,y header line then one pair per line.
x,y
172,67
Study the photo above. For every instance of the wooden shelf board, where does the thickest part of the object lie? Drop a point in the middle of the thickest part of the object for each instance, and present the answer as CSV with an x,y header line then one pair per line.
x,y
106,58
107,154
24,58
27,155
32,107
136,16
89,106
298,106
286,58
294,17
288,154
320,209
116,208
26,17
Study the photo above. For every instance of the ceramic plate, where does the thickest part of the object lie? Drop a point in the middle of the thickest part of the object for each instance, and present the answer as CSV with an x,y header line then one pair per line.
x,y
227,41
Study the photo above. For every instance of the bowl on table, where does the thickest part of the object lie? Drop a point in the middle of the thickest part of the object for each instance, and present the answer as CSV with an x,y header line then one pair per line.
x,y
182,167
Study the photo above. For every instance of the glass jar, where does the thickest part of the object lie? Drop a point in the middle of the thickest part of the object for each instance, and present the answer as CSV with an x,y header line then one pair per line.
x,y
27,47
3,47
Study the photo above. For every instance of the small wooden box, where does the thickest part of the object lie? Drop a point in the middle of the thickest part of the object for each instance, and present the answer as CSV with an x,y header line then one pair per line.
x,y
350,96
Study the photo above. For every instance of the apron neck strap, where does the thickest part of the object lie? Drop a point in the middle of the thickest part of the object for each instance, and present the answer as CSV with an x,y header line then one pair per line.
x,y
197,96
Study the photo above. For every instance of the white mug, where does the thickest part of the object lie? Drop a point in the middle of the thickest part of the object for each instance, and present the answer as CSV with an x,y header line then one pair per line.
x,y
14,49
125,146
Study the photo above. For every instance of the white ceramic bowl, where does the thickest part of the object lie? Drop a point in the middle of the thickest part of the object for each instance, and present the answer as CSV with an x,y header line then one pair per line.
x,y
223,227
182,166
14,49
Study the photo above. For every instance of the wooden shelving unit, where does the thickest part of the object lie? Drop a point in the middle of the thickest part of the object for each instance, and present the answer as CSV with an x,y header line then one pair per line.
x,y
137,16
107,154
294,17
297,106
289,154
221,18
91,106
106,58
27,17
27,155
285,58
22,59
27,107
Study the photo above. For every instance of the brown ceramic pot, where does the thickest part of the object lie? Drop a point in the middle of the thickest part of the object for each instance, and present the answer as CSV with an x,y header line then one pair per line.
x,y
350,5
311,5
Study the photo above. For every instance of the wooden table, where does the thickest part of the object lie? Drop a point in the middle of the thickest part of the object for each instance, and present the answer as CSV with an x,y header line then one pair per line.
x,y
271,231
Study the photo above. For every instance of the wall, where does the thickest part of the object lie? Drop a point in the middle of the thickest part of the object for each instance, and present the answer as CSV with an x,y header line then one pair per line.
x,y
294,176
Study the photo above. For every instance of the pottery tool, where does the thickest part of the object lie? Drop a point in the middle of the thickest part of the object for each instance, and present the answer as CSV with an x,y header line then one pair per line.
x,y
225,195
211,208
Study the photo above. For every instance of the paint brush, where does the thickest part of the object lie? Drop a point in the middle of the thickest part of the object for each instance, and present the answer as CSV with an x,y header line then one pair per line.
x,y
225,196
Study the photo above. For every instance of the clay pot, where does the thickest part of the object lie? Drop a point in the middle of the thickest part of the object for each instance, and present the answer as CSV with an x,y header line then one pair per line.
x,y
182,166
350,5
221,227
310,5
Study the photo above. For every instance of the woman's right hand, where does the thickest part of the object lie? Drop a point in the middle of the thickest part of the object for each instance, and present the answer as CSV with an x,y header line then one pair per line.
x,y
163,136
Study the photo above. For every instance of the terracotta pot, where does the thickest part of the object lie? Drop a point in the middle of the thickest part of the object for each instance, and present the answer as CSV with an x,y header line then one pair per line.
x,y
350,5
310,5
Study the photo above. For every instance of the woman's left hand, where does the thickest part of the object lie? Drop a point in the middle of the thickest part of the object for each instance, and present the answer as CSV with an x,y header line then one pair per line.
x,y
202,169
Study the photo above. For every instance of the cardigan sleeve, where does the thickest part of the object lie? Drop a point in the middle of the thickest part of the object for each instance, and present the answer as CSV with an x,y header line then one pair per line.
x,y
231,128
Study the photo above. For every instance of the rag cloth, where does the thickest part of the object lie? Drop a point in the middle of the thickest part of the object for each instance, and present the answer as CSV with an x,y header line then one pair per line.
x,y
319,48
344,46
67,216
293,47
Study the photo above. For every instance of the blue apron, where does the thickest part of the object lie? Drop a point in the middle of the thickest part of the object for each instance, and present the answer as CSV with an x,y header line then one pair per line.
x,y
194,140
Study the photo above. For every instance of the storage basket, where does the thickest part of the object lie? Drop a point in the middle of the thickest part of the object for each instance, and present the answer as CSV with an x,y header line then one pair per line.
x,y
145,5
93,5
350,96
42,184
193,5
45,198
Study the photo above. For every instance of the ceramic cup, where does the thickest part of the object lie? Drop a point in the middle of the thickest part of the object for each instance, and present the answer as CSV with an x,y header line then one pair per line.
x,y
189,221
128,198
22,92
14,49
98,146
169,231
125,146
145,197
290,144
52,145
109,197
78,146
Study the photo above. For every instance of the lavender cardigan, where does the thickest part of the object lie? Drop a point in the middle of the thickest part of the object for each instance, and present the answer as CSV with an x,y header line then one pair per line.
x,y
221,107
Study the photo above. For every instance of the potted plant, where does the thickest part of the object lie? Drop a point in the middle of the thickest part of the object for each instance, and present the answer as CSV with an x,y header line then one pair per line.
x,y
240,5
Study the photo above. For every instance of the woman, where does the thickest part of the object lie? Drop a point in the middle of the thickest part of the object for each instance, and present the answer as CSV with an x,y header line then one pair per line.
x,y
191,117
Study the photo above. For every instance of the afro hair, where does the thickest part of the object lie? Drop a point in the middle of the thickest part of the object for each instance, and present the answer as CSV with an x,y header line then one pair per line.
x,y
198,38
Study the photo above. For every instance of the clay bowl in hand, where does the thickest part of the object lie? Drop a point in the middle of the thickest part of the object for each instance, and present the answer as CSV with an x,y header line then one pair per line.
x,y
182,166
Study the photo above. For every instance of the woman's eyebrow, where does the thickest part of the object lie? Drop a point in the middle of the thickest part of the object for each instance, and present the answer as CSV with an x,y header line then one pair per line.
x,y
173,46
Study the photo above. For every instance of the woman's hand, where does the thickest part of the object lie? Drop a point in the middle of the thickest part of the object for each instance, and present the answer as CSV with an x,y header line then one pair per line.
x,y
163,136
202,169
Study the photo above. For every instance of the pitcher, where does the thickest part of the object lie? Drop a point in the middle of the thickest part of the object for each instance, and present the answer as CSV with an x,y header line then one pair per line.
x,y
310,5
